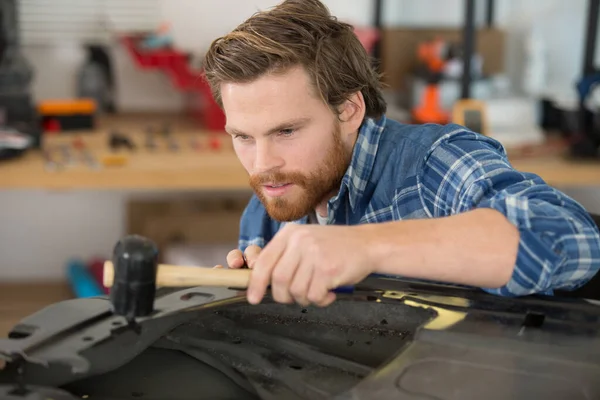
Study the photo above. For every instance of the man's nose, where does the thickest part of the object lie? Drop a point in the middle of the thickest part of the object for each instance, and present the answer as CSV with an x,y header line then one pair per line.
x,y
266,158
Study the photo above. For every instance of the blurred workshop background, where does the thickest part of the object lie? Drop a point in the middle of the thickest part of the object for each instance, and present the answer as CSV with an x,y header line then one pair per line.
x,y
107,128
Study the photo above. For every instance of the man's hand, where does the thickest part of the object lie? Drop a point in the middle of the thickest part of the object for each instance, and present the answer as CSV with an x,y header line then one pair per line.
x,y
235,258
303,263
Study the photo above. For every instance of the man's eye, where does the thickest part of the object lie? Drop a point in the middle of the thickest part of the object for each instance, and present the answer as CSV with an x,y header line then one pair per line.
x,y
286,132
242,137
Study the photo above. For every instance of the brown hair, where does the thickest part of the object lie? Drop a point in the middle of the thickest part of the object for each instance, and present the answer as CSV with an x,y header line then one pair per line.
x,y
297,32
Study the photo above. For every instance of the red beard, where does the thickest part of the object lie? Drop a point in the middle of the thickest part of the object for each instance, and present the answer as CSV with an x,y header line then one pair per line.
x,y
315,186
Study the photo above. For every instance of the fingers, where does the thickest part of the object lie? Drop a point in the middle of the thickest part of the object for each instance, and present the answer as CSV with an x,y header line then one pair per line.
x,y
283,274
235,259
319,294
263,269
327,300
287,263
300,285
251,254
257,287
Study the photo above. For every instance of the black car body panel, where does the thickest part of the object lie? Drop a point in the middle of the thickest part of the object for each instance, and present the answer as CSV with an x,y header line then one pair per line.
x,y
390,339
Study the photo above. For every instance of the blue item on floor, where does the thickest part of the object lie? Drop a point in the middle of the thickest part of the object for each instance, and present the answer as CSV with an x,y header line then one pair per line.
x,y
82,281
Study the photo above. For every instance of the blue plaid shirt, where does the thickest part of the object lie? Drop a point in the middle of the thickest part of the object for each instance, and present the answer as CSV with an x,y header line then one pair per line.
x,y
401,172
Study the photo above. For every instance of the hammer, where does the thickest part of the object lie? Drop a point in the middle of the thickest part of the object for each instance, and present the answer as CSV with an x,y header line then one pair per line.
x,y
134,286
134,274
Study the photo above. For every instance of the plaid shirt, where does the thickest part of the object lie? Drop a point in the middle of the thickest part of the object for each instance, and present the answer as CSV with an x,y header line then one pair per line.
x,y
403,172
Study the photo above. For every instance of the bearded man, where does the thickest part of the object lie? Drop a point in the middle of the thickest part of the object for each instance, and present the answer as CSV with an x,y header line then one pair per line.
x,y
342,191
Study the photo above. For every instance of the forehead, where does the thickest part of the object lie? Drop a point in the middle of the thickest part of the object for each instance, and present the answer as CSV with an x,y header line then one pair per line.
x,y
271,97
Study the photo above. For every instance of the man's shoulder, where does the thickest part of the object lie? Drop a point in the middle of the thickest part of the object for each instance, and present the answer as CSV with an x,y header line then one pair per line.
x,y
254,207
256,227
405,150
254,214
419,141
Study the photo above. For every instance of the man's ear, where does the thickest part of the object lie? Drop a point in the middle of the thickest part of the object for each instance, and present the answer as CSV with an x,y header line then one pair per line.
x,y
352,113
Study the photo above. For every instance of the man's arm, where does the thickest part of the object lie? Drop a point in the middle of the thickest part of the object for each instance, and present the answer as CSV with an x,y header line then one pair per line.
x,y
499,229
492,227
477,248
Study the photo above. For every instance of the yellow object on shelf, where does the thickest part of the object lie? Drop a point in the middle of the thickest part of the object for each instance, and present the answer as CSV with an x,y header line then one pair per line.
x,y
114,160
471,114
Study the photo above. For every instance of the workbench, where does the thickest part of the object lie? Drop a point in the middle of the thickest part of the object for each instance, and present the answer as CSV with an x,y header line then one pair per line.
x,y
207,169
186,168
559,171
162,168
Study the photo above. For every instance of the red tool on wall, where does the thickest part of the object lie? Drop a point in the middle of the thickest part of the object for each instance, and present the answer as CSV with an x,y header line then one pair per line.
x,y
432,56
175,64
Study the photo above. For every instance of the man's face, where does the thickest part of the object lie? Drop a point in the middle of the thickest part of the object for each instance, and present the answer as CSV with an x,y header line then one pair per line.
x,y
289,142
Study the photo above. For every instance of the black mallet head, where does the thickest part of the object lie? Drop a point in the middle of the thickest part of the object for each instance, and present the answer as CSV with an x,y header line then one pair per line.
x,y
135,261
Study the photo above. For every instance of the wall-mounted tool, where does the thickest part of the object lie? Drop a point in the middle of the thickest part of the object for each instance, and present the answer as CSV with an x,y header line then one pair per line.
x,y
433,56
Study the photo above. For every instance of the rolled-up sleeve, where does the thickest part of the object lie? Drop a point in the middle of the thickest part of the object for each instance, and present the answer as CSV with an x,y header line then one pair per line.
x,y
559,244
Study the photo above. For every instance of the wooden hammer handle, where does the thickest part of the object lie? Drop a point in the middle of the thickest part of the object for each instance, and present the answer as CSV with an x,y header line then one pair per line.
x,y
179,276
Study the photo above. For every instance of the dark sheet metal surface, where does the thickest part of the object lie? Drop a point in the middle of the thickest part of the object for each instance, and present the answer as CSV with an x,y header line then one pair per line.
x,y
388,340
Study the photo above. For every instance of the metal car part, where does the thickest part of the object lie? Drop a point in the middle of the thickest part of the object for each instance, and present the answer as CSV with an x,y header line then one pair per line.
x,y
61,333
389,339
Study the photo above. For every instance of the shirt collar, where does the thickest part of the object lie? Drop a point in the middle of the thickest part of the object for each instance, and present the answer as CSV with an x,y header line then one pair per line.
x,y
363,160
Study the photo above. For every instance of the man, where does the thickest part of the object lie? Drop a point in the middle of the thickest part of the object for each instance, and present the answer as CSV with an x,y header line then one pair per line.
x,y
367,194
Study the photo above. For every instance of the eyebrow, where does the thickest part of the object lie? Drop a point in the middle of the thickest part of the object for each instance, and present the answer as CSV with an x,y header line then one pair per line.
x,y
277,128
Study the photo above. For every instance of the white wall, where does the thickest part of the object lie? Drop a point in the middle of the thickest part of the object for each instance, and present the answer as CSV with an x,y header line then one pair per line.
x,y
56,68
65,229
561,24
199,22
40,231
196,23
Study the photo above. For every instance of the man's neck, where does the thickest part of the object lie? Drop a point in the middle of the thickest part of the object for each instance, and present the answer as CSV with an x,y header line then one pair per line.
x,y
321,211
321,208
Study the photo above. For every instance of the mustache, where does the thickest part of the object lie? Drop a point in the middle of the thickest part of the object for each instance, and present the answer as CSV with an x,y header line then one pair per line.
x,y
278,177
